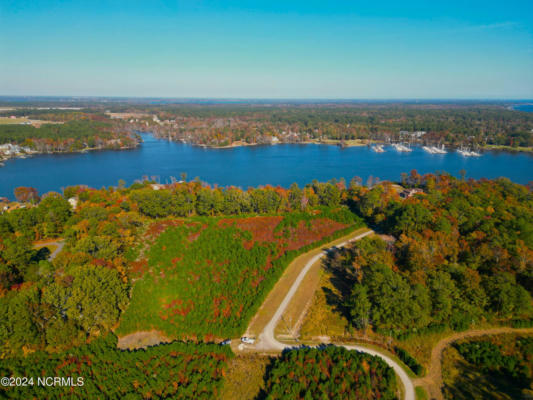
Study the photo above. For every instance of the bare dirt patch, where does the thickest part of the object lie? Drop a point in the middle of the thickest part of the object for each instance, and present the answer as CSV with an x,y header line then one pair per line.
x,y
141,340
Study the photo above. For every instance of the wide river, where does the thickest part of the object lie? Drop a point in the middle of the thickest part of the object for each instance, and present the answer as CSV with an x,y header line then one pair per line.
x,y
248,166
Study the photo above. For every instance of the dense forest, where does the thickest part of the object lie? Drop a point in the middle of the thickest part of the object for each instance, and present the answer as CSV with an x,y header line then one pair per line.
x,y
492,367
168,371
459,253
111,234
329,373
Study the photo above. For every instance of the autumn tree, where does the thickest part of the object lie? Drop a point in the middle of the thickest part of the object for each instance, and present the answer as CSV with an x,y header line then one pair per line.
x,y
93,297
26,194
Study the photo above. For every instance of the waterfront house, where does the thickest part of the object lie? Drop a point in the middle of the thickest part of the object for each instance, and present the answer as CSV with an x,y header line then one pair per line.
x,y
73,201
406,193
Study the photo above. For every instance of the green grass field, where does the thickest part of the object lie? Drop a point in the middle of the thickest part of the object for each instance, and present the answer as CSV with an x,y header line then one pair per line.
x,y
12,121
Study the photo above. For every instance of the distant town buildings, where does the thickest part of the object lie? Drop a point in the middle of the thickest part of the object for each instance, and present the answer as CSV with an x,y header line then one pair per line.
x,y
416,134
4,204
73,201
9,150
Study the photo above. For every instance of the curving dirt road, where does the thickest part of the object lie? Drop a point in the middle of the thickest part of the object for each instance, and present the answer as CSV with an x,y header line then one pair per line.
x,y
268,342
59,243
54,254
433,379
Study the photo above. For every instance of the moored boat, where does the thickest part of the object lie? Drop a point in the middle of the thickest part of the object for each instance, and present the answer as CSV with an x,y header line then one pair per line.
x,y
467,153
401,147
439,150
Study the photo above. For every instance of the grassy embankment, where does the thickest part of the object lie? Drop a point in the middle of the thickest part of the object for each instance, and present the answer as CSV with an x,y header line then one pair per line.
x,y
12,121
346,143
508,148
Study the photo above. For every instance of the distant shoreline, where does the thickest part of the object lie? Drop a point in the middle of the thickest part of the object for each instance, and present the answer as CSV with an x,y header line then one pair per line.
x,y
355,143
3,159
345,143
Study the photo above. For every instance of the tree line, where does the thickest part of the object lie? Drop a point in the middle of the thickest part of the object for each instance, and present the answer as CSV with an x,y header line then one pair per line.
x,y
192,199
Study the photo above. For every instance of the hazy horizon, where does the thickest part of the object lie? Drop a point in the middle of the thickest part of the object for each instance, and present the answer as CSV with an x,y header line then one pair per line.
x,y
7,97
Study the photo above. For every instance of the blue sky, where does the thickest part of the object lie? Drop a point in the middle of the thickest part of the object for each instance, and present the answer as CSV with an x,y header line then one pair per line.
x,y
268,49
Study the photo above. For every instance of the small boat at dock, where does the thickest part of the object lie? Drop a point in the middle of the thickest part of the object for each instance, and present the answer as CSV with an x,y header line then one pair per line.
x,y
467,153
401,148
439,150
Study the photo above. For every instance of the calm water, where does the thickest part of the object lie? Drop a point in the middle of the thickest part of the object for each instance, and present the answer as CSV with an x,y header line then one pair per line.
x,y
524,107
247,166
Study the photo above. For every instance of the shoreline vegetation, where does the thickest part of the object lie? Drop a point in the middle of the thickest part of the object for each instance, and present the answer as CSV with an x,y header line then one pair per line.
x,y
353,143
336,142
99,125
26,154
37,133
20,152
226,126
494,147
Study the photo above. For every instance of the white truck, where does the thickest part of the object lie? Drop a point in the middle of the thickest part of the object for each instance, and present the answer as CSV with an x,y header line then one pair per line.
x,y
247,340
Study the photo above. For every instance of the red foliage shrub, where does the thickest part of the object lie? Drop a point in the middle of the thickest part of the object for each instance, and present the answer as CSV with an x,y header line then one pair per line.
x,y
157,228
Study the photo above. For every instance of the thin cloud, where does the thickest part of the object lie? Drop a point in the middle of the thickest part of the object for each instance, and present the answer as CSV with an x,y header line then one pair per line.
x,y
493,26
